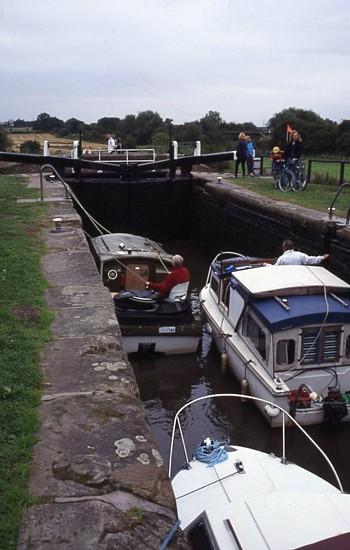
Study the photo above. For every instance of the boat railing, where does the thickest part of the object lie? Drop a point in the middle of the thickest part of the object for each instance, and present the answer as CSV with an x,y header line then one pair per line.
x,y
221,257
125,156
285,415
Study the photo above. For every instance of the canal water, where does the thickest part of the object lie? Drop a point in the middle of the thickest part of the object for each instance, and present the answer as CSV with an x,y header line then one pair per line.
x,y
166,383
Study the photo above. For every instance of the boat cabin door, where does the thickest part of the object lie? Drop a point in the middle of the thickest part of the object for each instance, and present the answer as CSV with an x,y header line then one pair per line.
x,y
136,275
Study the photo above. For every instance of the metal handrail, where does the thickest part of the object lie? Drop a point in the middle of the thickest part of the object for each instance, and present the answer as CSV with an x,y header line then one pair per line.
x,y
58,176
331,207
177,423
125,152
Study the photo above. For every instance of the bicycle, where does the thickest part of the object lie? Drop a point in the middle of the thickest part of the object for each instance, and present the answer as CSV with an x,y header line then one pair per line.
x,y
293,176
276,170
286,178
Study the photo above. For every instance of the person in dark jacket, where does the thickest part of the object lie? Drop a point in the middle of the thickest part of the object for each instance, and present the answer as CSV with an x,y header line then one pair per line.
x,y
241,154
294,148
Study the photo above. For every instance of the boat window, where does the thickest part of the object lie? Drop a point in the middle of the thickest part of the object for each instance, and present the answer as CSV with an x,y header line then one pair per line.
x,y
252,330
214,284
225,292
285,352
320,345
347,347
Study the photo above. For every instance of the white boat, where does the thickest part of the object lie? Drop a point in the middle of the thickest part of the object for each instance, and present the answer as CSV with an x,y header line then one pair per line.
x,y
147,324
251,500
284,332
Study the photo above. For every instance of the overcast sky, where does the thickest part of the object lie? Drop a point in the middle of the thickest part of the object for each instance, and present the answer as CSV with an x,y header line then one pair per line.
x,y
247,59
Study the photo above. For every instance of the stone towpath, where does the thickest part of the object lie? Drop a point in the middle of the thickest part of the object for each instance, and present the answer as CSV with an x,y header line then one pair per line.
x,y
97,479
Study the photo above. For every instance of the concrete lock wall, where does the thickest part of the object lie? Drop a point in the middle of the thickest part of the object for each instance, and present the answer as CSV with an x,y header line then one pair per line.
x,y
226,217
97,478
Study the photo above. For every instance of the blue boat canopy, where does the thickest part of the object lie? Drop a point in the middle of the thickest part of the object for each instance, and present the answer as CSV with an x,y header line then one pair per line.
x,y
303,310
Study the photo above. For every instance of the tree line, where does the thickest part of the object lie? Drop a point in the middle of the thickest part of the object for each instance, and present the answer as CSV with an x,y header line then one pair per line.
x,y
320,136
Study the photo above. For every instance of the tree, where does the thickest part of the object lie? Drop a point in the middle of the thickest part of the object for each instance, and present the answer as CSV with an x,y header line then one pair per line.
x,y
4,140
109,125
318,135
30,146
73,125
147,122
46,123
343,137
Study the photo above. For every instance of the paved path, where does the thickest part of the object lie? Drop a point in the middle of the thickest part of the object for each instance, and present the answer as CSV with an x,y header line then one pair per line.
x,y
97,478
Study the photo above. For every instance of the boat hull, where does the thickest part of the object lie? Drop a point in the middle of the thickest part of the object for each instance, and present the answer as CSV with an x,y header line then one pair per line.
x,y
259,382
168,340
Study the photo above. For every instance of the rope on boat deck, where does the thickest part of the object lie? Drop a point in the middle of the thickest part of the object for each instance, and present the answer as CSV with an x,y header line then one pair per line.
x,y
211,452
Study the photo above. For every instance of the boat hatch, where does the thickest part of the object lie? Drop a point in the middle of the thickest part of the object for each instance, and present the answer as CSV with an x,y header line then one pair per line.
x,y
200,534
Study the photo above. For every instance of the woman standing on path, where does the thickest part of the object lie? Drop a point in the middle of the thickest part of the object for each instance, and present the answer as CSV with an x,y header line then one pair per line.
x,y
241,154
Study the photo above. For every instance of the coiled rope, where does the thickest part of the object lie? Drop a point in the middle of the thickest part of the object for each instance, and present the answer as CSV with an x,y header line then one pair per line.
x,y
211,453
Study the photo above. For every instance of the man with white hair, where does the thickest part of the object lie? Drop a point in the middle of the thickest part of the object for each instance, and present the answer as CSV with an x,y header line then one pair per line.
x,y
177,276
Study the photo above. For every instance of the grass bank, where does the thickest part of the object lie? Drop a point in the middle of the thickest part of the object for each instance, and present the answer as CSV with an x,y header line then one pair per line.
x,y
24,328
315,196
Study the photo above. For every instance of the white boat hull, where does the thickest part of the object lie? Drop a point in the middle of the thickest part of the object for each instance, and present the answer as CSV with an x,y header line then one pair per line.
x,y
161,344
259,382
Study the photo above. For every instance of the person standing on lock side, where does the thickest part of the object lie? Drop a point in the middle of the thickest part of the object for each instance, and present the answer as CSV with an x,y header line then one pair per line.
x,y
241,154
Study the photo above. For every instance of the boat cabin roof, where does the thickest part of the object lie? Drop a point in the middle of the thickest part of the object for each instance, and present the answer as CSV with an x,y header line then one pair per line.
x,y
286,280
124,244
300,311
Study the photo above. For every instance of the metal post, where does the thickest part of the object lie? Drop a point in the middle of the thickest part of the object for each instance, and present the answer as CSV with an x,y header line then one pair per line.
x,y
309,168
176,149
41,186
168,122
197,150
261,165
283,459
75,149
342,168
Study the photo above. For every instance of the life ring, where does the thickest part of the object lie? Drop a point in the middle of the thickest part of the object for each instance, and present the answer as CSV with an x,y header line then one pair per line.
x,y
112,274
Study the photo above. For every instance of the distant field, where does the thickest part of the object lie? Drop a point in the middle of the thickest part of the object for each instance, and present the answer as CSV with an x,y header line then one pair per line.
x,y
61,144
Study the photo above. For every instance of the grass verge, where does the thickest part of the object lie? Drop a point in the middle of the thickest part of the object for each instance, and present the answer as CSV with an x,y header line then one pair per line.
x,y
24,328
315,196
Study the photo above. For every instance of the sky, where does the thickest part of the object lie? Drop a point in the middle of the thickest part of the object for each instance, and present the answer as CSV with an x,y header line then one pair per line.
x,y
246,59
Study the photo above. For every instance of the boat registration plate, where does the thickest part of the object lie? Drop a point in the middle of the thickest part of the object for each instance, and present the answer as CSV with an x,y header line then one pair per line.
x,y
167,330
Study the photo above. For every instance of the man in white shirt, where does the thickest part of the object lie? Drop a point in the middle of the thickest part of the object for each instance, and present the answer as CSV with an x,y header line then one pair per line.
x,y
110,144
294,257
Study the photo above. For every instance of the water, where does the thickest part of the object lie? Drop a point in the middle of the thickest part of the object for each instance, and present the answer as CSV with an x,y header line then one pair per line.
x,y
166,383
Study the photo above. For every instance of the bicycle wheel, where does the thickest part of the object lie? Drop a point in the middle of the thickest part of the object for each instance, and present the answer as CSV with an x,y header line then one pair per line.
x,y
300,183
287,180
275,181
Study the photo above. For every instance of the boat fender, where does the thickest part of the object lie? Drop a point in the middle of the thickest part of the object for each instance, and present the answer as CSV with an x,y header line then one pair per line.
x,y
224,363
244,389
271,411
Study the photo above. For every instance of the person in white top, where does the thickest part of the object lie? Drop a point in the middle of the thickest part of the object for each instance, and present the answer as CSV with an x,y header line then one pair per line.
x,y
110,144
294,257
